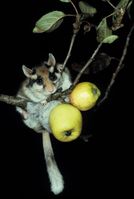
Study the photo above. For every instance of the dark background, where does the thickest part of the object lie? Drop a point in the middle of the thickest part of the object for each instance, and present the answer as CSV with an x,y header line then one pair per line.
x,y
101,166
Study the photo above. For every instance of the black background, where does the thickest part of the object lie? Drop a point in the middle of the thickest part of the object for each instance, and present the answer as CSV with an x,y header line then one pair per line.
x,y
100,166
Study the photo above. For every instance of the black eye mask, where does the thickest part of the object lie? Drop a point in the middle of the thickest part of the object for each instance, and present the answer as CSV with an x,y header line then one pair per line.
x,y
39,81
52,76
33,71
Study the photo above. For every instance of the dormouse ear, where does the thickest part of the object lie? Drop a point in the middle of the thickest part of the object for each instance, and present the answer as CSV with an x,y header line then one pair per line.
x,y
27,71
51,60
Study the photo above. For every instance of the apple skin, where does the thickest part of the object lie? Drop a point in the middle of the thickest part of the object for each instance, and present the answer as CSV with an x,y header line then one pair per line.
x,y
84,96
65,122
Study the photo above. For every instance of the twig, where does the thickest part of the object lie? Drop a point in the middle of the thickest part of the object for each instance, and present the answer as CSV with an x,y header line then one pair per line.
x,y
110,4
12,100
87,64
118,67
70,49
74,7
76,28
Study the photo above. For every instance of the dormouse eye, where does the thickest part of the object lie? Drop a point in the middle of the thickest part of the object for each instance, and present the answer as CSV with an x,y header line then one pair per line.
x,y
39,80
33,71
52,77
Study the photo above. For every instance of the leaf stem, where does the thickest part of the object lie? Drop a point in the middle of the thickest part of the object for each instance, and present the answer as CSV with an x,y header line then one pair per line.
x,y
74,7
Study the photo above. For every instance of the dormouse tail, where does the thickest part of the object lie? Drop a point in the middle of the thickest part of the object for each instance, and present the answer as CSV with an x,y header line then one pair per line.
x,y
55,177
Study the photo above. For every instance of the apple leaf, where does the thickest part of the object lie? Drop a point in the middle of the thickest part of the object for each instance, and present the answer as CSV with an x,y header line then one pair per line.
x,y
65,1
122,4
49,22
110,39
87,9
103,31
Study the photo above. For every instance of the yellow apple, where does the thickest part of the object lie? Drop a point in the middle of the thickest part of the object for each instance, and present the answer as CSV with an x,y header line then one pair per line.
x,y
65,122
84,96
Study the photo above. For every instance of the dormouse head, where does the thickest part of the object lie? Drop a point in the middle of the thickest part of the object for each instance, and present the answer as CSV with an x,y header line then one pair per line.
x,y
44,77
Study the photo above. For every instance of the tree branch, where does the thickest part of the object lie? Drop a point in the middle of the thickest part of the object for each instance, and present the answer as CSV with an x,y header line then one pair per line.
x,y
12,100
118,67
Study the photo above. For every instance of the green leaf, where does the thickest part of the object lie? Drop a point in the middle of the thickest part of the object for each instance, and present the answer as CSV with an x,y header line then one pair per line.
x,y
49,22
122,4
103,31
110,39
87,9
65,1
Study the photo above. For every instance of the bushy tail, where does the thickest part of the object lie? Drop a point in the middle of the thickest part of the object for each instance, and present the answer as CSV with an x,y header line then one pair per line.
x,y
55,177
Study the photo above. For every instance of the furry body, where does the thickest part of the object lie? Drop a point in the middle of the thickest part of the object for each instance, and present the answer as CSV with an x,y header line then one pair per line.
x,y
39,84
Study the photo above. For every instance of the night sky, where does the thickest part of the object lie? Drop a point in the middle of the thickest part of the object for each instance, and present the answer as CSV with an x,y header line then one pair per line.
x,y
100,166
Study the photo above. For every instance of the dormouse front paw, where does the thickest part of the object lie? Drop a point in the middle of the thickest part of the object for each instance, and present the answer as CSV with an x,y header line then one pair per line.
x,y
44,102
23,113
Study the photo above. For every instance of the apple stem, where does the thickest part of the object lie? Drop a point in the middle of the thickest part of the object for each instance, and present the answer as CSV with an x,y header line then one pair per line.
x,y
54,174
68,133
